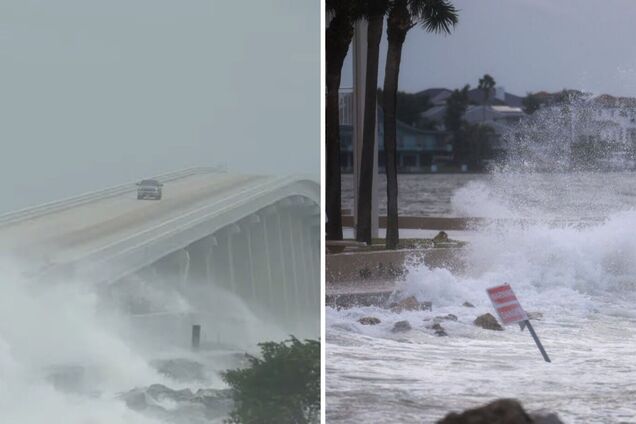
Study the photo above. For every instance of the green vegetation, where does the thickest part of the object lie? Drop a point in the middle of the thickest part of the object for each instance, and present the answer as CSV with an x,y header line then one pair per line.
x,y
410,107
531,103
281,387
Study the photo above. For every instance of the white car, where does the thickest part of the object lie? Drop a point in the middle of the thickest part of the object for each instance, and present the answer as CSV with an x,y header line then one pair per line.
x,y
149,189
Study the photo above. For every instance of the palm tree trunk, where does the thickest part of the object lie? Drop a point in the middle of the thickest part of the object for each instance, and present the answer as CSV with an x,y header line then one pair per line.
x,y
337,40
397,27
367,162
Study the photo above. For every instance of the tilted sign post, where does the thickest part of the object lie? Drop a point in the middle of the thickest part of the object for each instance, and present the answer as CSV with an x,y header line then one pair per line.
x,y
510,311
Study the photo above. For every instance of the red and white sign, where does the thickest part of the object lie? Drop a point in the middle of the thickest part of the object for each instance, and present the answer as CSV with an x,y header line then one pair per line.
x,y
506,304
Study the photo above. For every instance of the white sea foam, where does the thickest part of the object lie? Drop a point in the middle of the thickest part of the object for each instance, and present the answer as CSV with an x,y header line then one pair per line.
x,y
571,256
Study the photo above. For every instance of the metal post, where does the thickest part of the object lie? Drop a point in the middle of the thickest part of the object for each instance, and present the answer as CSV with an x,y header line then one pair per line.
x,y
196,336
537,341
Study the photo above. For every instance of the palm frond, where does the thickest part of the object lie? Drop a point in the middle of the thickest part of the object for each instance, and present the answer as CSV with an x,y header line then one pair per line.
x,y
434,15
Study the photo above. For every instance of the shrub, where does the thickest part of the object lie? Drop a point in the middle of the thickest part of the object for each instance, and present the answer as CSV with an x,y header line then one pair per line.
x,y
281,387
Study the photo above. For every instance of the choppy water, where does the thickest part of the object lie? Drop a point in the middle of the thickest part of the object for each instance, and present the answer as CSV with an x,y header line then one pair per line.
x,y
582,278
68,355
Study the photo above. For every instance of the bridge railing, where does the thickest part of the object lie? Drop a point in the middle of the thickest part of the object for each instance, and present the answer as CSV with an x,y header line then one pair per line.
x,y
128,254
71,202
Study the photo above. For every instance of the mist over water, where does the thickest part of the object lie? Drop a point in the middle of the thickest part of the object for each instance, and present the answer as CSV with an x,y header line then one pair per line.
x,y
75,353
566,242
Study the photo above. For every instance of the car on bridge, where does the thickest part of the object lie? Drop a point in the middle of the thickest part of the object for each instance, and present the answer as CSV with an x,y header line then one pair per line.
x,y
149,189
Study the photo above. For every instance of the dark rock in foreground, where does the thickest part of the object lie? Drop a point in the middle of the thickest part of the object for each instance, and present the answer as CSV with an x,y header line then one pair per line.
x,y
501,411
401,326
488,322
369,321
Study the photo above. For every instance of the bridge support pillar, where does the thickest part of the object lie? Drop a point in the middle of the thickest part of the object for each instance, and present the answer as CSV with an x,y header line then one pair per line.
x,y
232,231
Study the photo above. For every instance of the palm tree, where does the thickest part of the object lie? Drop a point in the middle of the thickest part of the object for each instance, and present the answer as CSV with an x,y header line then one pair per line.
x,y
375,10
337,40
434,16
486,84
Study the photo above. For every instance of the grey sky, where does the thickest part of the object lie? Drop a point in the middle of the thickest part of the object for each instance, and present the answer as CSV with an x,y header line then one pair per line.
x,y
94,93
528,45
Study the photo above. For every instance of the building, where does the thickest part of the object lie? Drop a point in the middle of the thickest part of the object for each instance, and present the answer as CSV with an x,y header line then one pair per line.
x,y
417,150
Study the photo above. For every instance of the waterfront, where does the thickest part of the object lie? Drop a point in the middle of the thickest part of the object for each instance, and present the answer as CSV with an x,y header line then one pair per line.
x,y
580,273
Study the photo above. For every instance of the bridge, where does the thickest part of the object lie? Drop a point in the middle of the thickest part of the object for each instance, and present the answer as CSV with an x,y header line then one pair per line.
x,y
176,262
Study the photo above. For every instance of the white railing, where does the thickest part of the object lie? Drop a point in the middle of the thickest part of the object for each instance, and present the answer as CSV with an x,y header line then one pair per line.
x,y
71,202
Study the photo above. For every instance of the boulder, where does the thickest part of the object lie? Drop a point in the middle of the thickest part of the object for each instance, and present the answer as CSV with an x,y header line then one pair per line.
x,y
180,369
449,317
501,411
439,330
546,419
468,305
369,321
401,326
488,322
410,304
441,237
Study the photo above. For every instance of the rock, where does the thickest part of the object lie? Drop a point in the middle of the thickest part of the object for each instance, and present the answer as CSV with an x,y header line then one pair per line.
x,y
365,273
401,326
410,304
440,237
449,317
439,330
535,316
369,321
468,305
488,322
501,411
180,369
546,419
171,405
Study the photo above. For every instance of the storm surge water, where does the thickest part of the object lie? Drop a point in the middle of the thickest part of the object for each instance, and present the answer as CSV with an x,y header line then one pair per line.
x,y
68,355
567,245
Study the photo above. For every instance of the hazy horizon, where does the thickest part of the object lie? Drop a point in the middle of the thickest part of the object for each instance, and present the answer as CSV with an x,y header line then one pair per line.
x,y
99,93
527,46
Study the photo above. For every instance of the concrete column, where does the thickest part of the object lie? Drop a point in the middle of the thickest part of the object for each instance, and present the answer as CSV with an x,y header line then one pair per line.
x,y
232,230
305,267
212,243
267,245
251,222
283,266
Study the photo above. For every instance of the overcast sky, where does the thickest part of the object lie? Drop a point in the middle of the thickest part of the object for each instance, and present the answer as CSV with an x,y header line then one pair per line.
x,y
528,45
95,92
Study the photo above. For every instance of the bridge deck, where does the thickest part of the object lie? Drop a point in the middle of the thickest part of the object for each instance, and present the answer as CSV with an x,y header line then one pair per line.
x,y
62,236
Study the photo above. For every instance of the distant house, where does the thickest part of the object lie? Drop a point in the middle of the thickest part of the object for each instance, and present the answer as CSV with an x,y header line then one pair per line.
x,y
497,96
437,96
417,150
477,114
